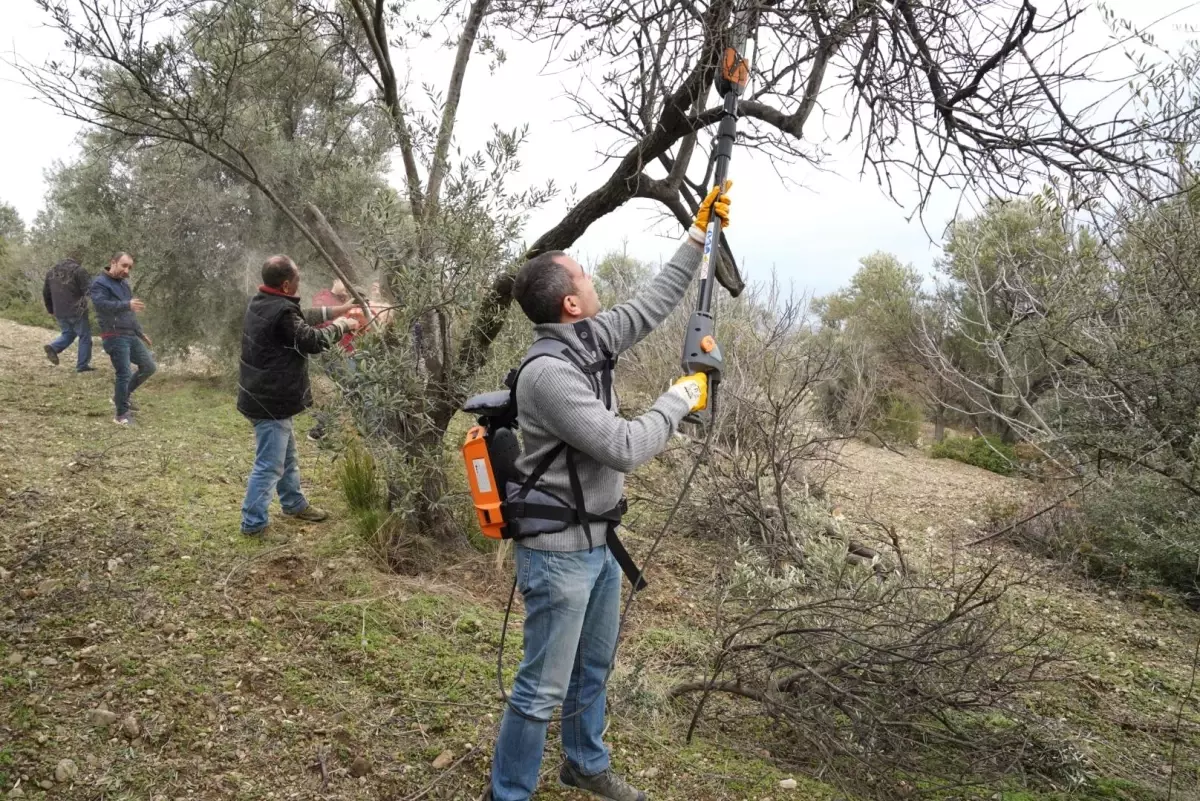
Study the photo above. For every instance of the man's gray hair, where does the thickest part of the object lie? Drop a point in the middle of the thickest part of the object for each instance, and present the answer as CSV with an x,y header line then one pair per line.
x,y
278,269
540,286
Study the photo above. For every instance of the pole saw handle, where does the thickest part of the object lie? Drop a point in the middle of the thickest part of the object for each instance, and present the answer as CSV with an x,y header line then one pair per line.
x,y
705,416
702,354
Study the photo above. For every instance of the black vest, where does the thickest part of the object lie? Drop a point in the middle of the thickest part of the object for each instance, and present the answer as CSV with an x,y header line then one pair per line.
x,y
273,379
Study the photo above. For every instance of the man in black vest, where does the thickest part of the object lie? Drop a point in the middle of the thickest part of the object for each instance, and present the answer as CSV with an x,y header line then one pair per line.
x,y
273,388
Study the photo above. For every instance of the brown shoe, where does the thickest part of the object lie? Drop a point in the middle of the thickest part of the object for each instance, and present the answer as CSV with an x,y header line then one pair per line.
x,y
310,514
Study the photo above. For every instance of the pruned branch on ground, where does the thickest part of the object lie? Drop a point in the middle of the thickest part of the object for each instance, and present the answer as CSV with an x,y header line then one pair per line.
x,y
875,681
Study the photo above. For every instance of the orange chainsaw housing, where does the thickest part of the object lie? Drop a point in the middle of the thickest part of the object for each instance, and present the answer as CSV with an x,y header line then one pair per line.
x,y
484,492
735,68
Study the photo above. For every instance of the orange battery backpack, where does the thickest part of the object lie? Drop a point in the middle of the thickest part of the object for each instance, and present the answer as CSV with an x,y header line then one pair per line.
x,y
510,505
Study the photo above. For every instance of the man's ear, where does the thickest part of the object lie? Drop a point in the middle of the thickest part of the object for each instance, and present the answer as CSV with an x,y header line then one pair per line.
x,y
571,305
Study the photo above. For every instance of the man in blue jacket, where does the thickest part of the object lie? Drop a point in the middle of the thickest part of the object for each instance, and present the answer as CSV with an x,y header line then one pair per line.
x,y
121,333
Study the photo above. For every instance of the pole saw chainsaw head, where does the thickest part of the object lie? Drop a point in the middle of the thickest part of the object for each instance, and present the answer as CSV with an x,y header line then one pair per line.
x,y
734,75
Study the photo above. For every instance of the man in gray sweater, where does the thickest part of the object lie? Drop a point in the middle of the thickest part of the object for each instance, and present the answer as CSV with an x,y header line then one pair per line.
x,y
569,579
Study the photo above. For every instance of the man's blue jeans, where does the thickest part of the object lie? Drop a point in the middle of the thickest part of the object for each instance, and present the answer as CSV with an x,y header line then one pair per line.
x,y
275,467
125,351
71,328
572,612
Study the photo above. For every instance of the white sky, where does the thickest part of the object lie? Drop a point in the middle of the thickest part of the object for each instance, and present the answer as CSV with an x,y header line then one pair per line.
x,y
811,232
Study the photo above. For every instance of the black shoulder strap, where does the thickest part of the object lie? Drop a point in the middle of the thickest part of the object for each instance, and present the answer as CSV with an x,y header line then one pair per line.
x,y
603,364
577,491
540,469
542,347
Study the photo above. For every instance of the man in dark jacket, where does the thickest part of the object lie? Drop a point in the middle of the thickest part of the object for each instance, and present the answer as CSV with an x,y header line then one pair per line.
x,y
273,388
65,294
121,333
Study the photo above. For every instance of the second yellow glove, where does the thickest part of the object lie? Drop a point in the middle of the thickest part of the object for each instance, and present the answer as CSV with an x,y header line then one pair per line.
x,y
693,389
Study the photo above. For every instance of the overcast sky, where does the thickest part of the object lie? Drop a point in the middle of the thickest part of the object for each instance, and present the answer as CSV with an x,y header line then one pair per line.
x,y
811,232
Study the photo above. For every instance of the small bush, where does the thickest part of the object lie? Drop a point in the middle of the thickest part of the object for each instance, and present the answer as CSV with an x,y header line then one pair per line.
x,y
1139,530
986,452
901,421
27,312
909,677
368,522
359,479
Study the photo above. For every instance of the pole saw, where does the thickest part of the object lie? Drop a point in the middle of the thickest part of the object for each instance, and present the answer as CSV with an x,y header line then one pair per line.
x,y
701,353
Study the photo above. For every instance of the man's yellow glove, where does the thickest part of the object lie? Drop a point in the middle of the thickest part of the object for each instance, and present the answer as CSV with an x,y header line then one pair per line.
x,y
715,202
693,389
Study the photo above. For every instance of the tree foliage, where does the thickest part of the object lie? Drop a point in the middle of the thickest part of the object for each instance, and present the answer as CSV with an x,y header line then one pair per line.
x,y
18,285
1002,269
198,229
878,316
12,227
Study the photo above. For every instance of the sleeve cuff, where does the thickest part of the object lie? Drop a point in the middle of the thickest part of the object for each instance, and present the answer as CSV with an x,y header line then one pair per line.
x,y
673,407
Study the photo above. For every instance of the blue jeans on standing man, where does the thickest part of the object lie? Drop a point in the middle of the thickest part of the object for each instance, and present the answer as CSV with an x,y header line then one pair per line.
x,y
125,351
79,326
572,612
275,467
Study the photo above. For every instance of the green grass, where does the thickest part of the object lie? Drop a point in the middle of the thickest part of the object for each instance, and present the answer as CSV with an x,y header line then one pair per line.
x,y
1097,790
31,313
359,479
988,453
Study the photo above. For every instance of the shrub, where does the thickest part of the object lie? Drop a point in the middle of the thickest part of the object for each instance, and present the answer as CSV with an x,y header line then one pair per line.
x,y
20,293
27,312
1137,530
901,420
986,452
359,479
866,679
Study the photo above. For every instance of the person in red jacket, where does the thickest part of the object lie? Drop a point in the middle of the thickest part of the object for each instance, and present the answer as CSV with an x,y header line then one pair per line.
x,y
342,370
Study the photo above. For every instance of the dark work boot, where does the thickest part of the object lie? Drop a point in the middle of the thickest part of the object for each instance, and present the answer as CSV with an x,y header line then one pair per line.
x,y
606,784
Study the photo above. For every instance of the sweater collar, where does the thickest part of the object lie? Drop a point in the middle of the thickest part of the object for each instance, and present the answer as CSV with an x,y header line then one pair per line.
x,y
580,337
273,291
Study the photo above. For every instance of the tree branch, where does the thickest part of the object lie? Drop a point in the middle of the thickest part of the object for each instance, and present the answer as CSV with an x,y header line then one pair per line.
x,y
466,42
